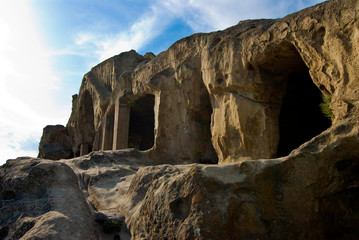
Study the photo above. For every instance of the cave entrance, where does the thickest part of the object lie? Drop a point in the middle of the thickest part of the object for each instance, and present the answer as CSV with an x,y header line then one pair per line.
x,y
142,123
202,117
86,124
300,117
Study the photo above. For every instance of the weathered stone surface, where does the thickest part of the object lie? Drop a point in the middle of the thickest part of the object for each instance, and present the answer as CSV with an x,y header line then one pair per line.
x,y
95,101
41,199
62,199
310,194
250,92
55,143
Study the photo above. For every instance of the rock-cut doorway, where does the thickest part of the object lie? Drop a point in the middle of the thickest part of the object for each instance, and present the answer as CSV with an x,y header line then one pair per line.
x,y
300,117
142,123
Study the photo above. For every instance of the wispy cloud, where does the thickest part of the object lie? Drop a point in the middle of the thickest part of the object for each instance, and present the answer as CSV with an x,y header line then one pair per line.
x,y
152,23
200,15
27,82
208,15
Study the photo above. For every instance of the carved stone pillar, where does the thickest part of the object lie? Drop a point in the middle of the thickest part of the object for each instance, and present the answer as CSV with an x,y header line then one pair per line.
x,y
84,148
107,132
121,126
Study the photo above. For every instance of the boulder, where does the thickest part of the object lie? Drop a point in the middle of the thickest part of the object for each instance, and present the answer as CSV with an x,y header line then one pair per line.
x,y
41,199
55,143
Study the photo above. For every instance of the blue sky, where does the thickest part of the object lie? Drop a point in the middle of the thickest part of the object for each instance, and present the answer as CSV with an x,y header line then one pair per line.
x,y
46,46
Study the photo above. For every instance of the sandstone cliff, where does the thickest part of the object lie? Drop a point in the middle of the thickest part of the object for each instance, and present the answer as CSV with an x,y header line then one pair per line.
x,y
246,98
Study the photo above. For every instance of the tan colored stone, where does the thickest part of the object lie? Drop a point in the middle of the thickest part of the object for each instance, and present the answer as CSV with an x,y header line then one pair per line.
x,y
121,126
306,195
225,91
301,196
46,201
250,92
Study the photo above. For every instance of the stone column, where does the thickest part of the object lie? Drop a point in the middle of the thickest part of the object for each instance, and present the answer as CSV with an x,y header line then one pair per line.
x,y
121,126
97,143
84,148
107,132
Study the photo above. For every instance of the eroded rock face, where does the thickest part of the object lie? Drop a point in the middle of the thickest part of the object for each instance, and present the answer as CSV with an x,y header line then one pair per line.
x,y
250,92
220,97
310,194
95,102
41,199
303,196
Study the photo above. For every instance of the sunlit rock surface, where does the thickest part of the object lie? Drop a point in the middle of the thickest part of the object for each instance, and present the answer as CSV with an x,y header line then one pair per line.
x,y
246,98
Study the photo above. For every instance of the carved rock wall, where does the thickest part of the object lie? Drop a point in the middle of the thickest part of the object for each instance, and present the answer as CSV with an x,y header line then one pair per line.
x,y
248,93
95,98
219,96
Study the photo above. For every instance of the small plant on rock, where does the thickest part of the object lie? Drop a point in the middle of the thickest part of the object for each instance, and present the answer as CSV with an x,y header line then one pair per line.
x,y
325,107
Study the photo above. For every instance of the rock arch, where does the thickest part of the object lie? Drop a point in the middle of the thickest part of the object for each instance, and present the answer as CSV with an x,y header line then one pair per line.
x,y
300,117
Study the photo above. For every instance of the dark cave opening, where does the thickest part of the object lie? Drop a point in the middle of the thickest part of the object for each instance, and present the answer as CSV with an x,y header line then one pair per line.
x,y
300,117
86,124
142,123
202,116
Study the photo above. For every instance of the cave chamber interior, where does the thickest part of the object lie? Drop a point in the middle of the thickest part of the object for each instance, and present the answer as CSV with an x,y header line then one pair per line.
x,y
300,116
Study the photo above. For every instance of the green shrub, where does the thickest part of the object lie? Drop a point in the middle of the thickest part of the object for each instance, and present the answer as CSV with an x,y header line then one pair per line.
x,y
111,226
325,107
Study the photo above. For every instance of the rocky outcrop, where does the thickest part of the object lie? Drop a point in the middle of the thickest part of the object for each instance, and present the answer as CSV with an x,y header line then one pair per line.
x,y
248,98
55,143
249,92
72,199
41,199
95,102
310,194
250,72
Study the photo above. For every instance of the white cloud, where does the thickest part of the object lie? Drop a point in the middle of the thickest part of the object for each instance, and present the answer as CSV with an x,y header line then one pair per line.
x,y
200,15
27,82
140,33
151,24
209,15
83,38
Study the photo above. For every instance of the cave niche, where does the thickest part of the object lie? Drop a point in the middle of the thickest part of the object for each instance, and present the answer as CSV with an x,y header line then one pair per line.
x,y
86,124
142,123
300,117
201,115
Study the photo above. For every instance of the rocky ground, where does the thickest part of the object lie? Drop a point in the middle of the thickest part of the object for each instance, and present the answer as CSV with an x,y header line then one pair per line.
x,y
311,194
